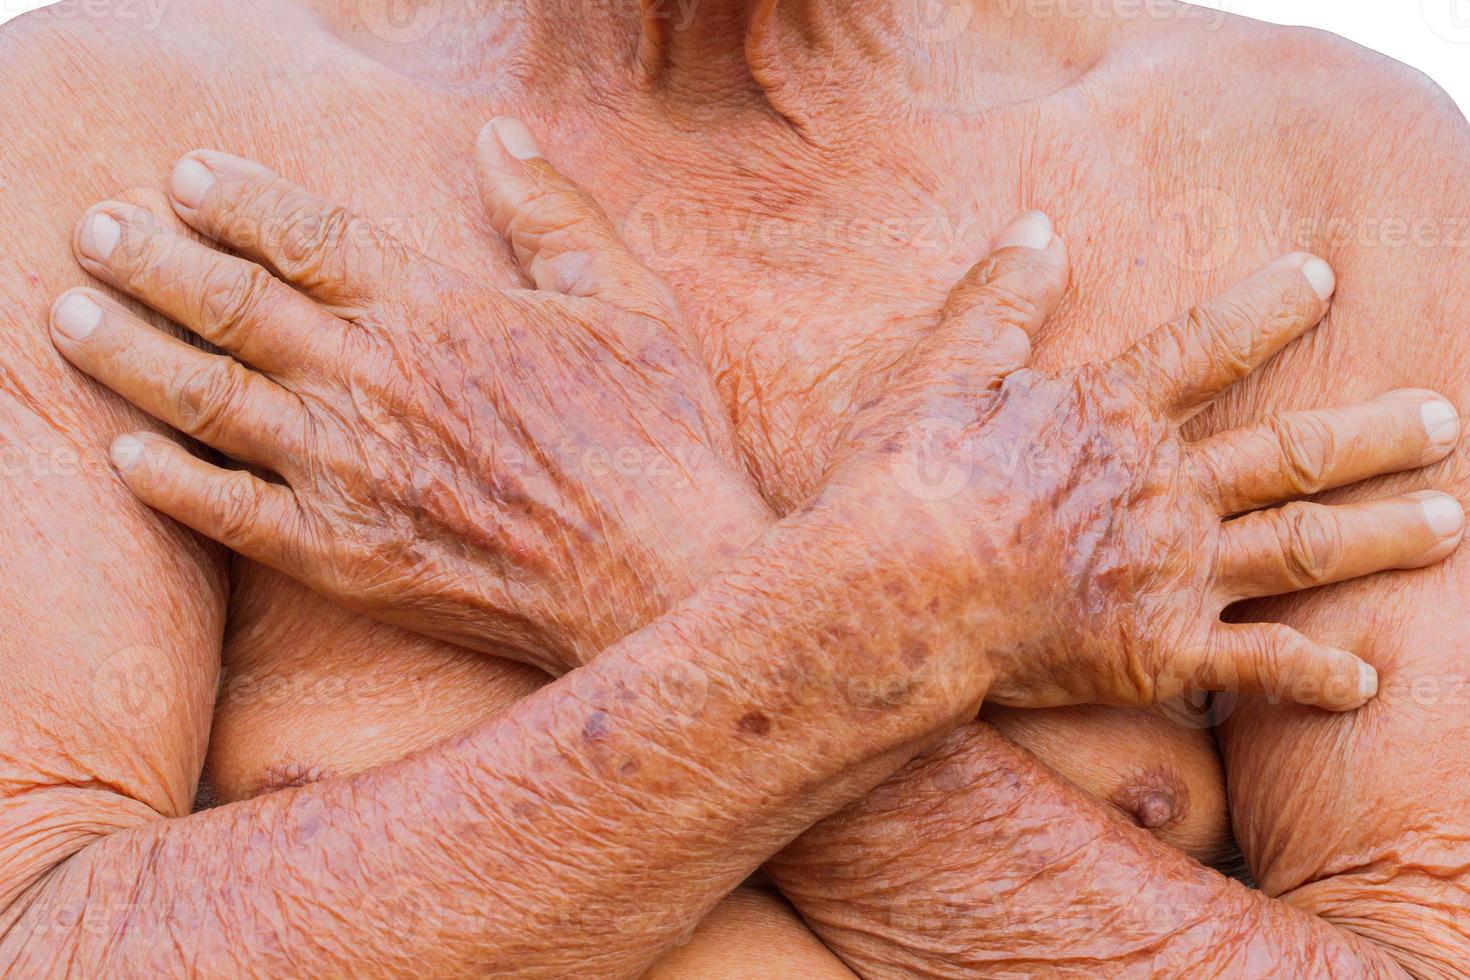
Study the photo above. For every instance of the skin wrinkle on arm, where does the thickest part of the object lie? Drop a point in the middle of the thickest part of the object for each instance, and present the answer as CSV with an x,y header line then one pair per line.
x,y
1057,888
1389,910
256,877
759,606
1398,323
249,820
83,93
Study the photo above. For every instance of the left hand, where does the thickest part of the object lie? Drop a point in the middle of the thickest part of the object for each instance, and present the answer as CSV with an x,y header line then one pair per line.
x,y
531,471
1080,545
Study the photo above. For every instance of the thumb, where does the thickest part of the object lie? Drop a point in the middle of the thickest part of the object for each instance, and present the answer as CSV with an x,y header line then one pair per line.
x,y
562,239
993,313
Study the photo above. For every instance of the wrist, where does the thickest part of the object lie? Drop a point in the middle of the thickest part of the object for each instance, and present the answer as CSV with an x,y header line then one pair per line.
x,y
714,518
852,630
963,579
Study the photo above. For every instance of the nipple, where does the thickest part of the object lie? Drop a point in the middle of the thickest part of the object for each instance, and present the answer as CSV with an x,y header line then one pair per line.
x,y
1153,798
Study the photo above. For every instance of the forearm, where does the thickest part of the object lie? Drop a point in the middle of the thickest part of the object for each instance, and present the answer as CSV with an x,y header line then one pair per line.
x,y
671,768
975,859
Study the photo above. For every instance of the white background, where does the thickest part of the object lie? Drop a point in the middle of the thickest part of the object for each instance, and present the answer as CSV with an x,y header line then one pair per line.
x,y
1431,35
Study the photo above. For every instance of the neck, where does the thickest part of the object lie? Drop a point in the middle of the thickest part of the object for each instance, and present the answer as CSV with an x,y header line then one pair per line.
x,y
807,60
816,60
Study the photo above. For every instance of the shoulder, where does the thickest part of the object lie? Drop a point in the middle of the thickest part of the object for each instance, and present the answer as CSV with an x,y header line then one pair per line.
x,y
69,34
73,67
1364,108
1295,121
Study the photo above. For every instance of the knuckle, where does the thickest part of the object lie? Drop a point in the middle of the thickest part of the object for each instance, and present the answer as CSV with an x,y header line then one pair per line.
x,y
145,258
244,209
1312,545
1224,329
1308,446
1006,303
554,208
1266,651
233,506
230,299
208,396
307,236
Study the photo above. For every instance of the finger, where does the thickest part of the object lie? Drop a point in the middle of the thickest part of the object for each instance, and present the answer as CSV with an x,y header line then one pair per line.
x,y
232,303
244,513
211,397
1002,303
1192,360
333,255
991,315
1301,546
561,237
1268,658
1302,453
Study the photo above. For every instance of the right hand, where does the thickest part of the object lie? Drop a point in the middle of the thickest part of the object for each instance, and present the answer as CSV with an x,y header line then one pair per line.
x,y
532,472
1088,549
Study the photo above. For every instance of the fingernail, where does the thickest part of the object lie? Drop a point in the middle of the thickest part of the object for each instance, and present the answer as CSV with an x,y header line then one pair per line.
x,y
1031,230
100,236
76,316
1443,513
190,182
1441,423
126,450
515,137
1321,276
1367,681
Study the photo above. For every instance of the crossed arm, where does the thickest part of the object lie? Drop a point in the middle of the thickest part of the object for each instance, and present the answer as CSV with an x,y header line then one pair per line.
x,y
607,750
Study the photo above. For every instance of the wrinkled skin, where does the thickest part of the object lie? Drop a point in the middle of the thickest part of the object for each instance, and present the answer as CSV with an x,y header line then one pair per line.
x,y
1358,141
1083,473
440,476
1157,793
968,374
1080,568
1034,915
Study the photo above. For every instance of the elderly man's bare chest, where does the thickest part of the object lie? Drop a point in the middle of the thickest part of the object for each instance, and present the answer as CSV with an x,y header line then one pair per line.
x,y
806,270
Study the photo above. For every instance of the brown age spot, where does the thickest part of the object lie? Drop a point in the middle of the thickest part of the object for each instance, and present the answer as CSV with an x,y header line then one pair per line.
x,y
754,723
595,727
